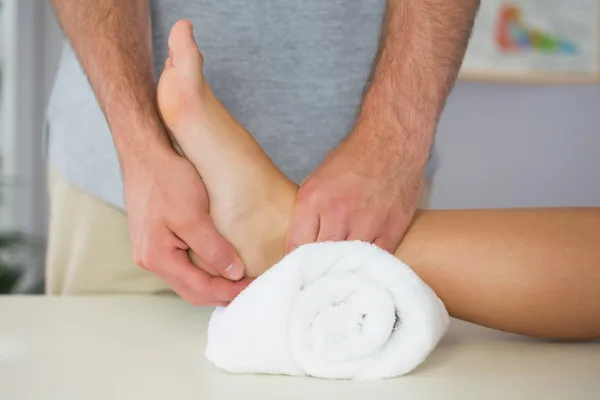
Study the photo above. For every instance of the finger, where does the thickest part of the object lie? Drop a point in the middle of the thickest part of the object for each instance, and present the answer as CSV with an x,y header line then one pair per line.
x,y
199,264
304,228
363,235
365,229
393,235
332,229
195,285
387,243
213,250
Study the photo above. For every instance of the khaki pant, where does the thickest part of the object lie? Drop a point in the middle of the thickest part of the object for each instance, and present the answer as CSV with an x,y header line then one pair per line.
x,y
89,250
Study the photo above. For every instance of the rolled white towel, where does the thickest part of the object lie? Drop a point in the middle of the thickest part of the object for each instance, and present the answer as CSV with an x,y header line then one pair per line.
x,y
337,310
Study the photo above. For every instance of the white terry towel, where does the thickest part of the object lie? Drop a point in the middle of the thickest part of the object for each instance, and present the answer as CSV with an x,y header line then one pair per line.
x,y
337,310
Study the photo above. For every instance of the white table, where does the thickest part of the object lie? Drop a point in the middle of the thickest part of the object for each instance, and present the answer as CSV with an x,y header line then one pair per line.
x,y
152,348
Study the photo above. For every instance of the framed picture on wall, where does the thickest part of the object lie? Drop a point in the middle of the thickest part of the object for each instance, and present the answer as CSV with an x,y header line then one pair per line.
x,y
545,41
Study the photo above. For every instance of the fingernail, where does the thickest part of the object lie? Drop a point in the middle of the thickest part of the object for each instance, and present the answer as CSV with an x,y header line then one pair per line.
x,y
235,271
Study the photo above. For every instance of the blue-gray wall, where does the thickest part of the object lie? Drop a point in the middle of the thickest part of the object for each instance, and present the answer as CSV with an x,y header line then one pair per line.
x,y
509,145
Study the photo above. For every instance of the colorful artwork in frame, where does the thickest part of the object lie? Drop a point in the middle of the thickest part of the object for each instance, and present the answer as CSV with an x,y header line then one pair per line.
x,y
535,41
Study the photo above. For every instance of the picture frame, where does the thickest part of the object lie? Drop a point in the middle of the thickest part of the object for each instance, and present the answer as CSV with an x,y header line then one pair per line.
x,y
534,41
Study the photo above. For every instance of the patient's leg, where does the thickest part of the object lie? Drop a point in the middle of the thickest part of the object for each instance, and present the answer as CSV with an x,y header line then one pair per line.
x,y
535,272
532,271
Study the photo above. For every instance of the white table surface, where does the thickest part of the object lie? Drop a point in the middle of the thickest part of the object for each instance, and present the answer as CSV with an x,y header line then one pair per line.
x,y
152,348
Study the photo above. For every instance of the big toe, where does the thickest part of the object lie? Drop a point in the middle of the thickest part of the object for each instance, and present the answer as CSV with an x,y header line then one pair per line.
x,y
183,50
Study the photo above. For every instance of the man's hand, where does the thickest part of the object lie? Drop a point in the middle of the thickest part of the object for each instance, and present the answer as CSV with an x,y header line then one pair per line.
x,y
362,191
369,187
166,200
167,208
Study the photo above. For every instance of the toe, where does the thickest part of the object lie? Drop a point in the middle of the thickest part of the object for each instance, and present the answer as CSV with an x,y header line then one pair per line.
x,y
183,50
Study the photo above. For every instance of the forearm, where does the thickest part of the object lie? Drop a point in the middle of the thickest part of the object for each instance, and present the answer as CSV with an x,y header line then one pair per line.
x,y
112,39
422,46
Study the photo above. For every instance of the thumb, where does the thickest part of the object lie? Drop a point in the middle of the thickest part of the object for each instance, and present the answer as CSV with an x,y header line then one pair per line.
x,y
215,253
304,228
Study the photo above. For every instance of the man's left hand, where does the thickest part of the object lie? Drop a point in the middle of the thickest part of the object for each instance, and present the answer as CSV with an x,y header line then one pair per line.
x,y
368,189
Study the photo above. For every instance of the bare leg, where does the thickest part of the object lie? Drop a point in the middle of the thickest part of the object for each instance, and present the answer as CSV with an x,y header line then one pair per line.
x,y
534,272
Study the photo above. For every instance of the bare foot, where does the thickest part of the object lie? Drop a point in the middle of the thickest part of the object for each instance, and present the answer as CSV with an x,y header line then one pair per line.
x,y
251,201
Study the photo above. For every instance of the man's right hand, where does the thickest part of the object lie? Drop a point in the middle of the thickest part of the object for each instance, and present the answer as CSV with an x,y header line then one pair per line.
x,y
167,207
167,203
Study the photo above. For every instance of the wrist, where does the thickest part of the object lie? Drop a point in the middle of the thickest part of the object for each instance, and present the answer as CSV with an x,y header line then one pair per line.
x,y
141,146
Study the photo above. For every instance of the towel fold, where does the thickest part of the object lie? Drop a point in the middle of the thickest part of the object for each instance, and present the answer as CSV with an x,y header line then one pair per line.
x,y
336,310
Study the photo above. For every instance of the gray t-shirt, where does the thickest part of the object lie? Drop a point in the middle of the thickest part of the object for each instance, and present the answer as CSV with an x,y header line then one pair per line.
x,y
292,72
